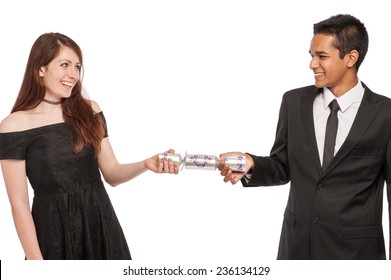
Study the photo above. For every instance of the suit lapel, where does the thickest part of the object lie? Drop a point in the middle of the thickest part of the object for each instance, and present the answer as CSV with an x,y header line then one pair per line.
x,y
365,116
307,115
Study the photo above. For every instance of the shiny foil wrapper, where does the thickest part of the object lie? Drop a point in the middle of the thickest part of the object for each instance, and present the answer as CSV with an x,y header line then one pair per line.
x,y
176,158
236,163
206,162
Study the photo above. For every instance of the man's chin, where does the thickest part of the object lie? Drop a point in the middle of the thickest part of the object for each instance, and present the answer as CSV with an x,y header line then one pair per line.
x,y
319,85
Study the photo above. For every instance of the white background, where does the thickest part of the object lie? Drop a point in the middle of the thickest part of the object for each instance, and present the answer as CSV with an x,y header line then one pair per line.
x,y
198,76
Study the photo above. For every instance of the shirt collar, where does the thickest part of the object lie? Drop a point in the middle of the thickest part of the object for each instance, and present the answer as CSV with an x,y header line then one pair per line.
x,y
347,99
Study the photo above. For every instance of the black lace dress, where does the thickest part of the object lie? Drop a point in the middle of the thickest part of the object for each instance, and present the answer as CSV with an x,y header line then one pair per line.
x,y
72,212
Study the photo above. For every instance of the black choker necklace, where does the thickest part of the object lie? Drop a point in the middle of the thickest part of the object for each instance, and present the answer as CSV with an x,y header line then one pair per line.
x,y
52,102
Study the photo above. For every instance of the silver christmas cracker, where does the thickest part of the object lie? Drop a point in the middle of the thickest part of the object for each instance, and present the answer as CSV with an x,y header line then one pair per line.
x,y
205,162
236,163
176,158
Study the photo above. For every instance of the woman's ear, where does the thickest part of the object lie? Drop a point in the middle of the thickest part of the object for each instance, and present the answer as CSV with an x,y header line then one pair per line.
x,y
42,71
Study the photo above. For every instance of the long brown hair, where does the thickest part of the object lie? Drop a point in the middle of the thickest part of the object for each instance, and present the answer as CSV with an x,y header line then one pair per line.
x,y
86,126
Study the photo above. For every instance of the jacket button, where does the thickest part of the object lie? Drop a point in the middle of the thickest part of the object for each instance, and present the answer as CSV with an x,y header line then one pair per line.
x,y
320,186
316,220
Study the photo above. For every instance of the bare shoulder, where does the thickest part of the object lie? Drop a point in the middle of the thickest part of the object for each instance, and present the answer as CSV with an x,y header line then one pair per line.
x,y
95,106
16,121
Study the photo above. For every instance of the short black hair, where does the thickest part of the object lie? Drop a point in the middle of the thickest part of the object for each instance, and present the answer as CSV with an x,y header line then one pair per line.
x,y
349,33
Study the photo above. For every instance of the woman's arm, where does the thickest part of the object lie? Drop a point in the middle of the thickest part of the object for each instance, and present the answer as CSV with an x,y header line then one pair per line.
x,y
115,173
14,173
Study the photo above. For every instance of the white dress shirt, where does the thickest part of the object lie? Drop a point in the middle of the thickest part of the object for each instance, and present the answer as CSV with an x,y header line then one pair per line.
x,y
348,103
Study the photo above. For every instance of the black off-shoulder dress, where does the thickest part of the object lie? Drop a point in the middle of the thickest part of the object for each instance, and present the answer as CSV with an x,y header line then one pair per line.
x,y
72,212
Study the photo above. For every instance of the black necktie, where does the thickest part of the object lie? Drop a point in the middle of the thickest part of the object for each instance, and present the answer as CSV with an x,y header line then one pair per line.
x,y
331,134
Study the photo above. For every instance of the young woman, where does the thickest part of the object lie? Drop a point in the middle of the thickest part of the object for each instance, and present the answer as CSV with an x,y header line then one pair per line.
x,y
57,139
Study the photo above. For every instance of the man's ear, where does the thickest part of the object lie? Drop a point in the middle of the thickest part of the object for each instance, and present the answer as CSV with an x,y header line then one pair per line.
x,y
352,57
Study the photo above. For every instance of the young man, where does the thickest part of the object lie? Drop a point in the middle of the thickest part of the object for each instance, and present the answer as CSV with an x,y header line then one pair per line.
x,y
336,154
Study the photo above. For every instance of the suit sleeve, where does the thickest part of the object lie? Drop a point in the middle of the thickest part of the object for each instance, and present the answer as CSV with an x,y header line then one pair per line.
x,y
274,169
388,182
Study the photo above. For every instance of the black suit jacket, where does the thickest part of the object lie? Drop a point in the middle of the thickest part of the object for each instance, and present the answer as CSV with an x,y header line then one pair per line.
x,y
336,214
